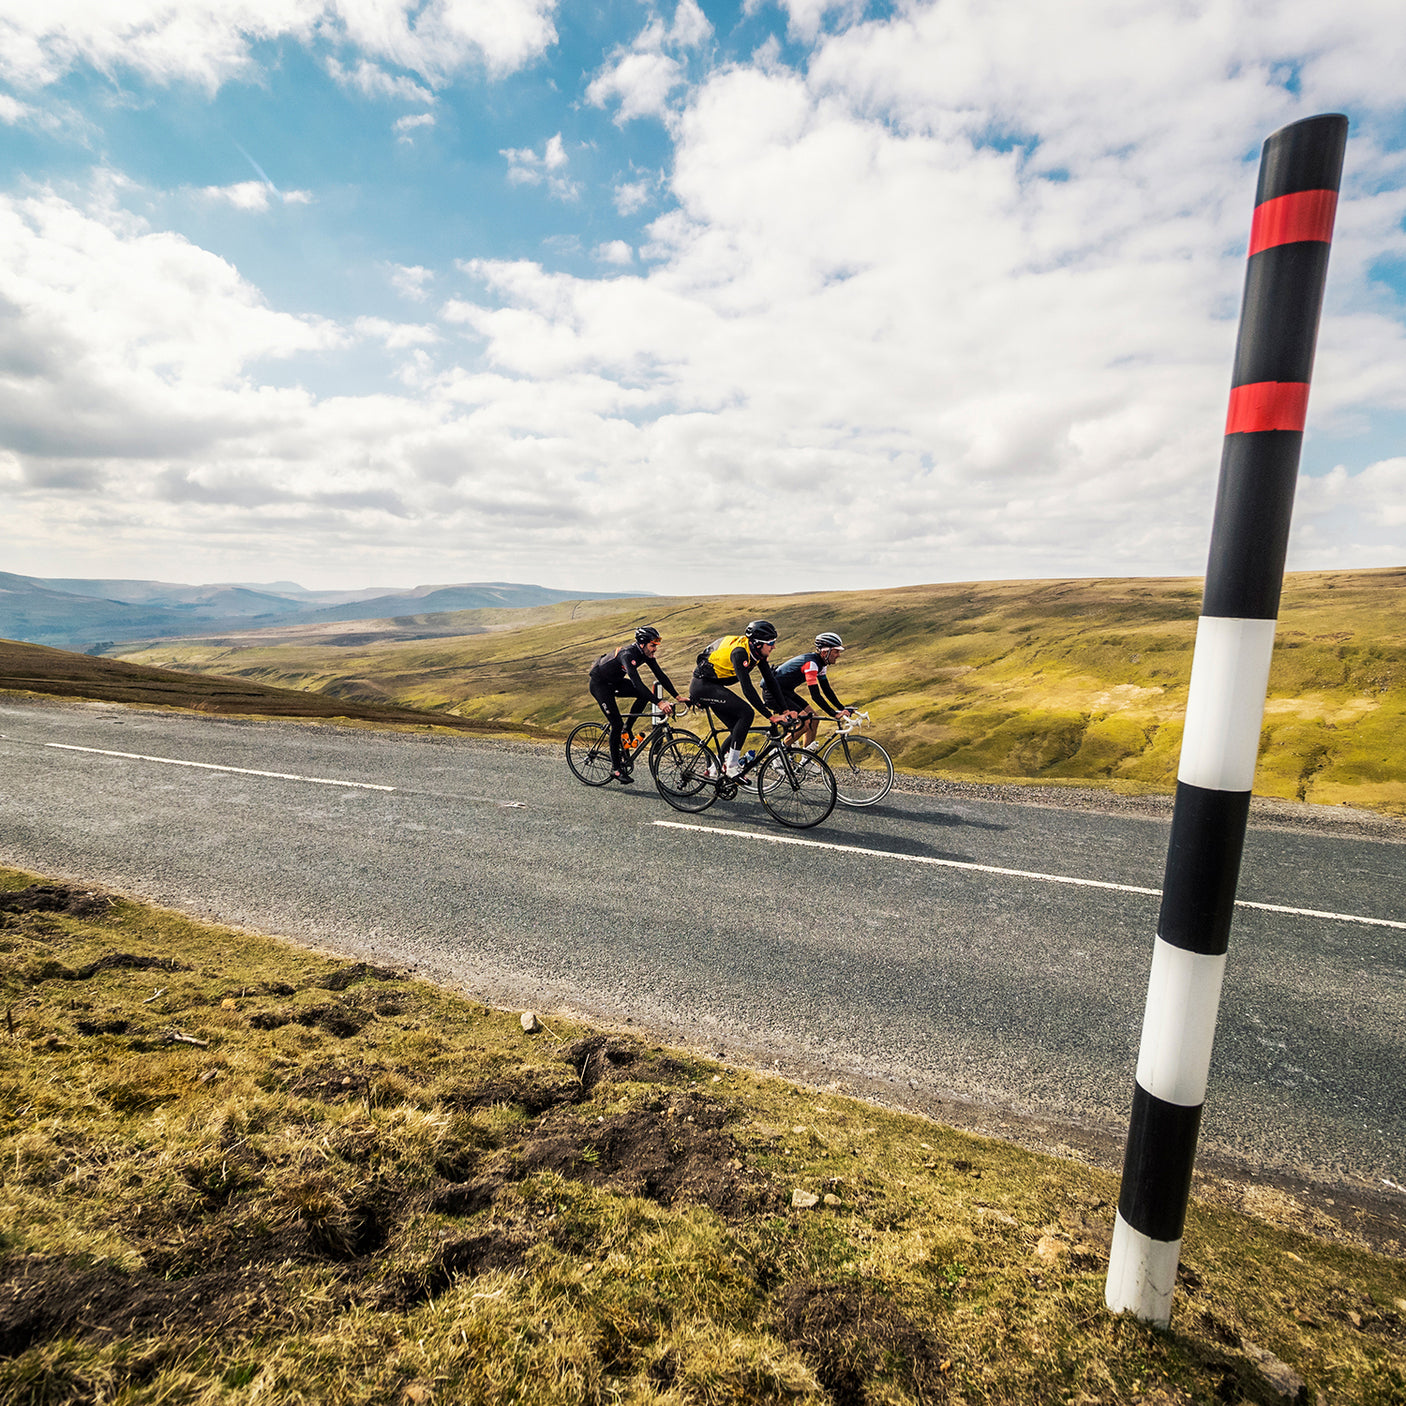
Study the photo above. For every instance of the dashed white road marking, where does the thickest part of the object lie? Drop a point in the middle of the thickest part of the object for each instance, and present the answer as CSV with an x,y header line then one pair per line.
x,y
281,775
211,766
1011,873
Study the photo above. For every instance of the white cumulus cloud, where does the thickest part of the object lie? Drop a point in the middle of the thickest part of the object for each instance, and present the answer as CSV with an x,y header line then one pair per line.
x,y
642,76
208,42
529,167
254,195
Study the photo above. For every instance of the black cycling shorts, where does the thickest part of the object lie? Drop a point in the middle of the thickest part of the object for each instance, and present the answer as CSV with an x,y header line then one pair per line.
x,y
736,713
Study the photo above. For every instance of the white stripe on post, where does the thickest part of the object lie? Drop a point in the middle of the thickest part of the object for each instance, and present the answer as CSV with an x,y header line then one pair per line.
x,y
1225,703
1179,1024
1142,1274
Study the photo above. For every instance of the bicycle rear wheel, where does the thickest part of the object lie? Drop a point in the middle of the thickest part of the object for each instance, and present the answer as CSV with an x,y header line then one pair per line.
x,y
662,738
863,770
588,754
686,773
798,789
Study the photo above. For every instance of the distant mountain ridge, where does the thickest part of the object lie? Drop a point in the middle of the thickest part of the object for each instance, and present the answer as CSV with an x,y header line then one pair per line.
x,y
79,613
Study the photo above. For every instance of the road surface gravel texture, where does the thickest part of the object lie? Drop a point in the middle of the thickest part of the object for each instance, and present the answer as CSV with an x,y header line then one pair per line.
x,y
490,868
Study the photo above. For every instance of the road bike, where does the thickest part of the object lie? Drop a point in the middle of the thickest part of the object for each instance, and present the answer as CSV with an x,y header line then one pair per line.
x,y
588,746
796,786
863,770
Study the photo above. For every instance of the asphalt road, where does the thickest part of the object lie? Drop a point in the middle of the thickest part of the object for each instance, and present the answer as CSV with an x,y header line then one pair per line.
x,y
490,868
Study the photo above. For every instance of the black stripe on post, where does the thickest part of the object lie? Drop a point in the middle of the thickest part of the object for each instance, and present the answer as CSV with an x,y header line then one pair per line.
x,y
1254,506
1157,1169
1203,868
1305,155
1283,300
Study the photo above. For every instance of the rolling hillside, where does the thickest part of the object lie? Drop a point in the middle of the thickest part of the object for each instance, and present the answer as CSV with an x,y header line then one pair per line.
x,y
36,668
1050,680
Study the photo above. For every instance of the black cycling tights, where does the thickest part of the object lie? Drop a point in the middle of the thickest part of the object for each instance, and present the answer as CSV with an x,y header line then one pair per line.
x,y
737,714
606,696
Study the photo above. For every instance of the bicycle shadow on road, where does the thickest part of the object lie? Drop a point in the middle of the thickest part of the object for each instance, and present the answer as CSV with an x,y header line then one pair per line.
x,y
876,838
945,818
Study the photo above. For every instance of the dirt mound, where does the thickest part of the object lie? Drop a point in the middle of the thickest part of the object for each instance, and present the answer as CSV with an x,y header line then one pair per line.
x,y
672,1155
535,1090
347,976
341,1018
614,1059
496,1248
56,898
44,1297
851,1335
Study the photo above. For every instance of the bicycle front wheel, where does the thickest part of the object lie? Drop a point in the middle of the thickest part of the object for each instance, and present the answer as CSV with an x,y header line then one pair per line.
x,y
797,788
588,754
686,773
863,770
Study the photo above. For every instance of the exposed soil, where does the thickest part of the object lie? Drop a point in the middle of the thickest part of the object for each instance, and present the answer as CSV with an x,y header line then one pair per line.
x,y
44,1297
677,1153
851,1335
56,898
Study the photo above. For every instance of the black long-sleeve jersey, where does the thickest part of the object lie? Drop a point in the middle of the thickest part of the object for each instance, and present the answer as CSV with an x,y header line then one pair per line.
x,y
810,670
619,671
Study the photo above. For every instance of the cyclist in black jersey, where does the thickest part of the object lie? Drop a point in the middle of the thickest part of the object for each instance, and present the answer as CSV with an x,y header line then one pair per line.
x,y
617,675
730,660
810,670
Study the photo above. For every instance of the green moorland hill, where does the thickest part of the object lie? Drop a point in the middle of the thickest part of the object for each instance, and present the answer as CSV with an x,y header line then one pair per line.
x,y
1065,681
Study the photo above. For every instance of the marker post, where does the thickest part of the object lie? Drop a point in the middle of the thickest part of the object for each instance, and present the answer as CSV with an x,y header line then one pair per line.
x,y
1300,173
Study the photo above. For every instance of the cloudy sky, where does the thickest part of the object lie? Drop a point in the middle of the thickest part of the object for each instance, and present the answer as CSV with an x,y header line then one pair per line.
x,y
778,295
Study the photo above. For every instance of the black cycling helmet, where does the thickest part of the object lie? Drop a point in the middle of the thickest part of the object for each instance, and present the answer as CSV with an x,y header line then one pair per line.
x,y
828,639
646,633
760,632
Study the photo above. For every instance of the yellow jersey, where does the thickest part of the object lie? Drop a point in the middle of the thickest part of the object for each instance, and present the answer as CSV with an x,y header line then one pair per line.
x,y
719,656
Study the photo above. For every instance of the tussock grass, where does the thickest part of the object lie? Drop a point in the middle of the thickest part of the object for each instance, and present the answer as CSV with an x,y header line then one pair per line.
x,y
236,1171
1049,681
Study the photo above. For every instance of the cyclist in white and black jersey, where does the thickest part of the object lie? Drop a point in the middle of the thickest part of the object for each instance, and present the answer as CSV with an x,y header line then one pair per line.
x,y
617,675
812,671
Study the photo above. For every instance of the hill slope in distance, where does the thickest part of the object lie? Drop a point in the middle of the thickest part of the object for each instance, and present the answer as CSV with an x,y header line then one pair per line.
x,y
1056,681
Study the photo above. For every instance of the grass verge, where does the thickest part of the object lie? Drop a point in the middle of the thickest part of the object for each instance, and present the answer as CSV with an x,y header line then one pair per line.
x,y
239,1171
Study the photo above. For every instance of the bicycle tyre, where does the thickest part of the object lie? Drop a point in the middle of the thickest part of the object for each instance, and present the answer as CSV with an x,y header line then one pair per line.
x,y
663,738
800,796
863,770
681,774
588,754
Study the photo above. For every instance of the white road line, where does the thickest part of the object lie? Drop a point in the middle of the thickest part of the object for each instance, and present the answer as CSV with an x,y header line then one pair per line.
x,y
283,775
1011,873
210,766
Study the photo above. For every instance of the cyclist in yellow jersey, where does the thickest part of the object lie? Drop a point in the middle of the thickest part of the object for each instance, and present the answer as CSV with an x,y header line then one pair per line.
x,y
731,660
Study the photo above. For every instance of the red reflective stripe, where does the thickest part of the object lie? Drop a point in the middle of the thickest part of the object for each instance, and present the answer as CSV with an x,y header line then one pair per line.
x,y
1267,405
1293,219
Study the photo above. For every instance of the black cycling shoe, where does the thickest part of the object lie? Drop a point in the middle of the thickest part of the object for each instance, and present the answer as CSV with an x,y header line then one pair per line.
x,y
623,777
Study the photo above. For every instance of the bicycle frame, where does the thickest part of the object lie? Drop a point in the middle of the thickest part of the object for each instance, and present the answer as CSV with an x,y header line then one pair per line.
x,y
659,722
777,735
